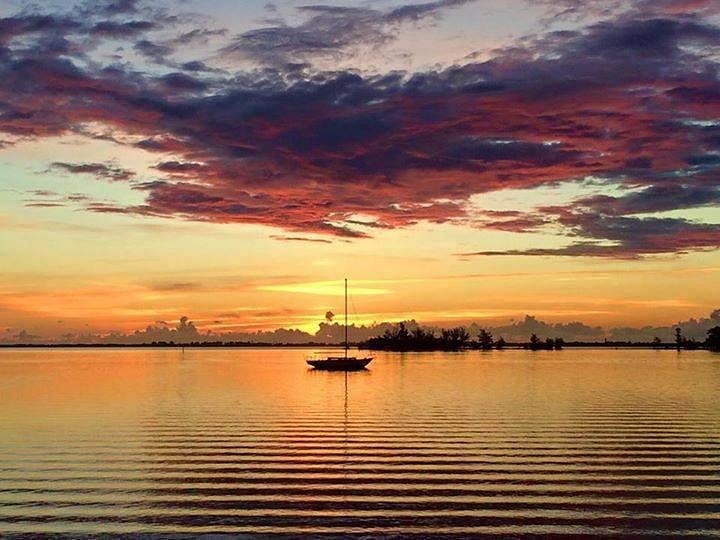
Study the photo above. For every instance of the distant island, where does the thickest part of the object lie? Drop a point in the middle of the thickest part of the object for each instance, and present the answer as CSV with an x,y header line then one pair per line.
x,y
526,333
401,339
456,339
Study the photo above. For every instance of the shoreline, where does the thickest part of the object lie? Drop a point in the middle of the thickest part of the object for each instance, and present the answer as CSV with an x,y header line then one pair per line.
x,y
241,345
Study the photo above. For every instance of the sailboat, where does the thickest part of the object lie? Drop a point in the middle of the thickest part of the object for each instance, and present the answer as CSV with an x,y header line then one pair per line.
x,y
341,363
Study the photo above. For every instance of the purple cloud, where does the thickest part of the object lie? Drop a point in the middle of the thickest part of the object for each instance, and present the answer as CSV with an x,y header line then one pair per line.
x,y
103,171
631,101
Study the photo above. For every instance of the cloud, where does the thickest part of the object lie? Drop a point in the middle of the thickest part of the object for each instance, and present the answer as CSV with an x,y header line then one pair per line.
x,y
154,51
44,198
284,238
104,171
116,7
329,31
44,204
520,331
630,101
179,286
183,83
655,198
44,193
180,168
197,36
512,221
37,24
322,288
625,238
121,30
161,52
185,331
578,10
654,38
618,226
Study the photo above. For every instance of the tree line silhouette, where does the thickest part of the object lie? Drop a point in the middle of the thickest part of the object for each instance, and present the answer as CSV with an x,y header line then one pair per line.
x,y
536,344
401,339
452,339
712,342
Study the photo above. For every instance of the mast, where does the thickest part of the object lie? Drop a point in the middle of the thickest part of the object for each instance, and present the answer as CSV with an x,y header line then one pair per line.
x,y
346,321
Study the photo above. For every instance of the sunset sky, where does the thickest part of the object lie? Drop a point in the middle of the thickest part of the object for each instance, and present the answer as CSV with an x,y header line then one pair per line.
x,y
457,160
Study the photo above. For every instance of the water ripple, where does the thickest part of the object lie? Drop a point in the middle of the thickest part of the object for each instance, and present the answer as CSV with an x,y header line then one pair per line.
x,y
600,443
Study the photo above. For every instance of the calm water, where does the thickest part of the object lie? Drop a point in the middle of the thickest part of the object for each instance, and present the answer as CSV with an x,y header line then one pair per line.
x,y
249,441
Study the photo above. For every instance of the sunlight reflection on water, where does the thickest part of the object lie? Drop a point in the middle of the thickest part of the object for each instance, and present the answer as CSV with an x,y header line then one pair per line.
x,y
249,440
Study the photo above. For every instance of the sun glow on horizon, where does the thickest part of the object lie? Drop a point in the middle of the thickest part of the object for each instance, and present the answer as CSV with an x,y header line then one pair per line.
x,y
324,288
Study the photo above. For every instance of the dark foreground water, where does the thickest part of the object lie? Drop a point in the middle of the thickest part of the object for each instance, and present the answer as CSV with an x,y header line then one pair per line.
x,y
515,443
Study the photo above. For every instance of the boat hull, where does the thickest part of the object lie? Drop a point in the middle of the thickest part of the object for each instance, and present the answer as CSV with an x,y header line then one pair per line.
x,y
340,364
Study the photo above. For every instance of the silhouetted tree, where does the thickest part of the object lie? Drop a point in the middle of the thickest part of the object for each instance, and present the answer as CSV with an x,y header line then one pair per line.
x,y
713,339
485,340
657,342
678,338
534,342
455,338
500,344
462,335
559,343
422,339
400,339
402,332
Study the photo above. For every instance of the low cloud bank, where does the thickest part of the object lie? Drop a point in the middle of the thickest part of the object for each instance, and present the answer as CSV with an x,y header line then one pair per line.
x,y
186,332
